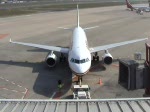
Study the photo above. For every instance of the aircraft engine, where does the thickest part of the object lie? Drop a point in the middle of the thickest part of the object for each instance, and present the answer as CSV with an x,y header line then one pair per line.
x,y
107,58
51,59
139,12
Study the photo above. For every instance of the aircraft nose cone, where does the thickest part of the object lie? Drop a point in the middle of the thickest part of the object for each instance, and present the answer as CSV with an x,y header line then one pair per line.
x,y
82,69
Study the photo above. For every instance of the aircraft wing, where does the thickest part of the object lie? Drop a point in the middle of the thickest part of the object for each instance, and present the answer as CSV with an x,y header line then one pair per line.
x,y
106,47
51,48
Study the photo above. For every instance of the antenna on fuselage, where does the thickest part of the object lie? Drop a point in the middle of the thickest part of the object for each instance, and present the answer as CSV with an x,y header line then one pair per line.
x,y
77,16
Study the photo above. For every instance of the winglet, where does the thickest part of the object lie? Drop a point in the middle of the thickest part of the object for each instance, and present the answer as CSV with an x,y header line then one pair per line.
x,y
77,15
10,40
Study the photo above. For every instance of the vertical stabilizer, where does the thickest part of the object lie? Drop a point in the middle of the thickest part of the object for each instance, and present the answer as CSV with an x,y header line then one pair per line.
x,y
129,5
77,16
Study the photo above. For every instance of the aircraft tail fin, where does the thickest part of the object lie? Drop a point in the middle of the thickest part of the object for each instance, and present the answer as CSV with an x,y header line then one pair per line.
x,y
129,5
78,16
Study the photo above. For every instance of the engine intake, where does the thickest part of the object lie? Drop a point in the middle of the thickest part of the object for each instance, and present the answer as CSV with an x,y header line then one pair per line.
x,y
107,58
140,12
51,59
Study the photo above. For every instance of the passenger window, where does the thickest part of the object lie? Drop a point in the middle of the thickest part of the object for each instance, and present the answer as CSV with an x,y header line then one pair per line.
x,y
77,61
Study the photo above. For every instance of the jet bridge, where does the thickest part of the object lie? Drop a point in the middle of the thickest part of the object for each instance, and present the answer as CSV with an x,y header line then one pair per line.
x,y
147,64
135,74
94,105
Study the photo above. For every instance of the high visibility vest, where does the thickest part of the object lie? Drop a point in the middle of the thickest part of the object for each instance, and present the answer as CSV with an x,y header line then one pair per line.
x,y
60,86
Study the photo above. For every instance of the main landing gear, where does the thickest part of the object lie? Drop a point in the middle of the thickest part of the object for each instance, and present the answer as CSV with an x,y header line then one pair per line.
x,y
62,58
95,57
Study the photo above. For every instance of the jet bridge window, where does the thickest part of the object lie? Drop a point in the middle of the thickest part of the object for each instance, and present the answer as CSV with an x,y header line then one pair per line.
x,y
79,61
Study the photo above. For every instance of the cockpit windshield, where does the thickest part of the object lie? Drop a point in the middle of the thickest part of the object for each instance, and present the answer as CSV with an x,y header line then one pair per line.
x,y
79,61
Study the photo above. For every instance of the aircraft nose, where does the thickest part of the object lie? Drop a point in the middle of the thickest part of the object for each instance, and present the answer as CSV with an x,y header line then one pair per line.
x,y
82,69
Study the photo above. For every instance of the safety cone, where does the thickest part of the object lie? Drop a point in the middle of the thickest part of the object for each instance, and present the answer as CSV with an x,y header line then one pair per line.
x,y
100,82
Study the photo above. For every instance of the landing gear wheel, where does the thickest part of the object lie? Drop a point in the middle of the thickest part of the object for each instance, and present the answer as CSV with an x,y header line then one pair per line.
x,y
62,58
93,58
96,57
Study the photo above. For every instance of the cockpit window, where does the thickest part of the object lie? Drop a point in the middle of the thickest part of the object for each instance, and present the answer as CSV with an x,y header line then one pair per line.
x,y
87,59
79,61
82,61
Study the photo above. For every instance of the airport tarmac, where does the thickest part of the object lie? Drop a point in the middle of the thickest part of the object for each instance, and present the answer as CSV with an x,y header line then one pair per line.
x,y
23,72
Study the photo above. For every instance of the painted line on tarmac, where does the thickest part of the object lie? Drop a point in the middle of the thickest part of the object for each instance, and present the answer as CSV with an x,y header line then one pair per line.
x,y
114,1
27,15
11,82
7,80
1,78
115,65
25,93
5,88
19,86
53,95
13,90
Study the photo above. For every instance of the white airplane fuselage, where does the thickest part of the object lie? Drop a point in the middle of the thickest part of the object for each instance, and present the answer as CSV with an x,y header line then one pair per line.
x,y
79,55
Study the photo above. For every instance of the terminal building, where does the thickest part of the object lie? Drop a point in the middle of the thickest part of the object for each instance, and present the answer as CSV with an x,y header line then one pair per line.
x,y
135,74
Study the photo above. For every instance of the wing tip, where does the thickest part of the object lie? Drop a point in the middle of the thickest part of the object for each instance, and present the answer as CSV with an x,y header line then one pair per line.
x,y
10,40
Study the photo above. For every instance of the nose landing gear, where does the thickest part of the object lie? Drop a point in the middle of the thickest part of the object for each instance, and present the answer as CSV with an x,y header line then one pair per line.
x,y
95,57
80,80
62,58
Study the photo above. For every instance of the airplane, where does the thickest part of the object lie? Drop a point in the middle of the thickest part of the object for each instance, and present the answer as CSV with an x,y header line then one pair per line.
x,y
79,53
139,9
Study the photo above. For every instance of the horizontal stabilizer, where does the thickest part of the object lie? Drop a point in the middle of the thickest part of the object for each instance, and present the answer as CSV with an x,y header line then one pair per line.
x,y
65,28
88,28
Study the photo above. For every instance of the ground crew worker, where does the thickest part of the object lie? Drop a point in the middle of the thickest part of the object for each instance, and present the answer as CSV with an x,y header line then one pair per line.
x,y
60,85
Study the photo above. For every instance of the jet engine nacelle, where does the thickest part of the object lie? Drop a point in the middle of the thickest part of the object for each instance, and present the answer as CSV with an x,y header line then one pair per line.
x,y
107,58
140,12
51,59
